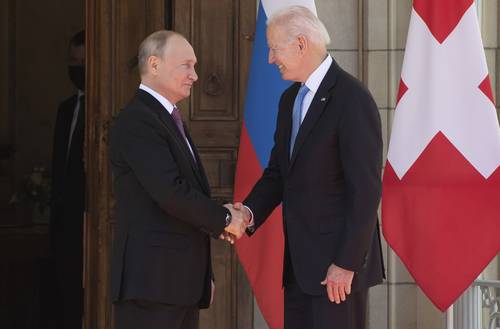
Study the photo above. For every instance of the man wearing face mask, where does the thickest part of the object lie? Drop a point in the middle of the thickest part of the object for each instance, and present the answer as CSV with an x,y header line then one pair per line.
x,y
68,192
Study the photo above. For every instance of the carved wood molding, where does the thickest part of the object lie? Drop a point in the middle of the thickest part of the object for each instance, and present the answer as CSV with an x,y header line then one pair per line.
x,y
99,99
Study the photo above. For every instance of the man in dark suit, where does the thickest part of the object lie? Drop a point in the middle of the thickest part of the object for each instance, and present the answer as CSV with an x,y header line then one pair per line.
x,y
325,169
68,192
161,268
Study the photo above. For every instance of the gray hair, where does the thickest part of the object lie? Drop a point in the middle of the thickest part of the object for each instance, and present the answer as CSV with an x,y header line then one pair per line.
x,y
300,20
153,45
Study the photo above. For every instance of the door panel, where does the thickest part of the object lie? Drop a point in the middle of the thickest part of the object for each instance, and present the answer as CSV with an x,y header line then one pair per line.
x,y
213,114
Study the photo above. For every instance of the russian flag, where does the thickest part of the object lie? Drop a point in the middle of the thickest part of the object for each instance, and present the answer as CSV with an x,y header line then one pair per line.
x,y
262,255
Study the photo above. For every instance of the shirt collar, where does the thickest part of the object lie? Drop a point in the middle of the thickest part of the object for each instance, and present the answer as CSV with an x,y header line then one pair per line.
x,y
317,76
166,104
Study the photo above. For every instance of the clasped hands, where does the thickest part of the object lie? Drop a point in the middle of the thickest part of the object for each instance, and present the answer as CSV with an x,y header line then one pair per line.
x,y
240,219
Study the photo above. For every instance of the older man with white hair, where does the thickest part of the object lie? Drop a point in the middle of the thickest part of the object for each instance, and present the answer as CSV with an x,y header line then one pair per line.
x,y
325,169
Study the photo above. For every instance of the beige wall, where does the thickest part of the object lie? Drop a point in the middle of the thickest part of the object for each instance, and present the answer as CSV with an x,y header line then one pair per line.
x,y
398,303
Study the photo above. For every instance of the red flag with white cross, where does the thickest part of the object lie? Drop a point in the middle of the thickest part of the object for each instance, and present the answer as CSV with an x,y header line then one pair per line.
x,y
441,185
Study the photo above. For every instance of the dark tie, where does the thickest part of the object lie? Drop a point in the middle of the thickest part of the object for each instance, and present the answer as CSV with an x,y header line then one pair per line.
x,y
77,125
176,115
297,115
80,123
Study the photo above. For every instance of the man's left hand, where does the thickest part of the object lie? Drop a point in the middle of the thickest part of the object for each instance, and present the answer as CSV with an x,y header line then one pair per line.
x,y
338,283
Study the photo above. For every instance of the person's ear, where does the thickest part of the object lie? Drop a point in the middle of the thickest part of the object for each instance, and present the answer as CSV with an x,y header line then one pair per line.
x,y
302,43
153,64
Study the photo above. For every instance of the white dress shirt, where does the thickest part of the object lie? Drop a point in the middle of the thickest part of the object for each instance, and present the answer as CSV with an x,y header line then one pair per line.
x,y
313,83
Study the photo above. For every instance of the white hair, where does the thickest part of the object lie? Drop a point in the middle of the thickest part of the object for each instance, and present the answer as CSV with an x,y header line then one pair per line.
x,y
153,45
300,21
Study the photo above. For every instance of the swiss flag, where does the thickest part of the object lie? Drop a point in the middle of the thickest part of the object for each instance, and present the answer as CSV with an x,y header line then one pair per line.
x,y
441,185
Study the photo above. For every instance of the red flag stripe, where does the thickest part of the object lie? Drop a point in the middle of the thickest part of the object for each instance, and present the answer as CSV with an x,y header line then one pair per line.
x,y
264,273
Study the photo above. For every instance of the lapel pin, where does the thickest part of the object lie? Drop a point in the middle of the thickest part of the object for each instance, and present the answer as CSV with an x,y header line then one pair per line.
x,y
323,99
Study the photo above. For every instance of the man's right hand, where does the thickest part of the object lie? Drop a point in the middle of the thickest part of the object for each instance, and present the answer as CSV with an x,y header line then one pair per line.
x,y
239,221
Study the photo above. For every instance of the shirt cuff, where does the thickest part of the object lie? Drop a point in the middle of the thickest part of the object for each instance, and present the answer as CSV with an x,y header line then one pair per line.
x,y
251,223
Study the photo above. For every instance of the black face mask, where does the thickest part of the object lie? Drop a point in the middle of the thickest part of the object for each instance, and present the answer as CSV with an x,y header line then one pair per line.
x,y
77,76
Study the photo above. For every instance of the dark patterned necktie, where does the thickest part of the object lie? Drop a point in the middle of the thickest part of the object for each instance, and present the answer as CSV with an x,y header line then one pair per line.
x,y
176,115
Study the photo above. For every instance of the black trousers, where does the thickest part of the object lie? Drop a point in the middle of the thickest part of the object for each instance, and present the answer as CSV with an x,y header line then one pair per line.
x,y
303,311
136,314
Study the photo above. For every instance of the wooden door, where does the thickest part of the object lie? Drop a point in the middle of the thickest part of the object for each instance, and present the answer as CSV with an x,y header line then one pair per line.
x,y
221,32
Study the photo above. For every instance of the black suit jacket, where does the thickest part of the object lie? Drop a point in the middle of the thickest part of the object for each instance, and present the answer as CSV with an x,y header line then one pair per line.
x,y
161,248
68,182
330,188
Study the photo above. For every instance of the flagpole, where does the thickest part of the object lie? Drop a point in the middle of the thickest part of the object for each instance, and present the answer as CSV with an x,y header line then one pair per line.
x,y
449,317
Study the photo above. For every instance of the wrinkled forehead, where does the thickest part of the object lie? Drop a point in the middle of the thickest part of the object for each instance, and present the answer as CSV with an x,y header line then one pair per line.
x,y
276,36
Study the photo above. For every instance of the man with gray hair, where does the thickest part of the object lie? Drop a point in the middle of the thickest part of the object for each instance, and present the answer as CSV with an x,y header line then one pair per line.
x,y
325,169
161,268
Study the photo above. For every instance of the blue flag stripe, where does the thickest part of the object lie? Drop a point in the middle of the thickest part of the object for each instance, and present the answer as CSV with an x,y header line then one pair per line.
x,y
264,90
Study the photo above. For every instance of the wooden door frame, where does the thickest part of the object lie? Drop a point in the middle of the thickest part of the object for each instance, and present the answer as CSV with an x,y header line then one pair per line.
x,y
100,102
105,21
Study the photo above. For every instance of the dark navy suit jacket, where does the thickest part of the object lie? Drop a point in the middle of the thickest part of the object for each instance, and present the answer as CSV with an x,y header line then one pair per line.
x,y
330,187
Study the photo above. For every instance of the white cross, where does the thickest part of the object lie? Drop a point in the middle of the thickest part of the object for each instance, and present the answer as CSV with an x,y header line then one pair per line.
x,y
443,95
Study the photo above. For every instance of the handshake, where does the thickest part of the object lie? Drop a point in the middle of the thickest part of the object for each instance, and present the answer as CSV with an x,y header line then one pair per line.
x,y
240,220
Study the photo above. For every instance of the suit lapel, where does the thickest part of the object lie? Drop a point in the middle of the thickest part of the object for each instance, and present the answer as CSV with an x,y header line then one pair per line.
x,y
288,122
318,104
171,127
68,119
200,170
